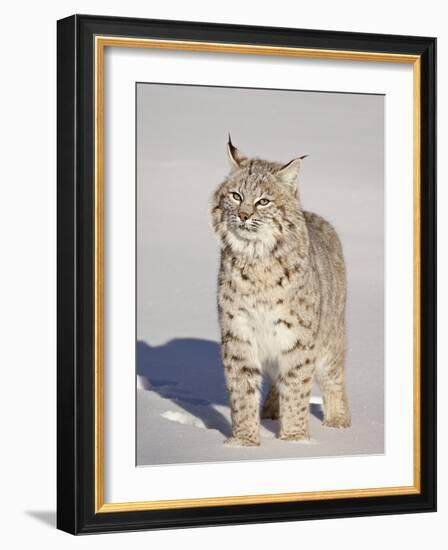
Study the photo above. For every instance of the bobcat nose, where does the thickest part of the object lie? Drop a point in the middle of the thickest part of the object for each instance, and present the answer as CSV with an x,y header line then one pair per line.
x,y
244,216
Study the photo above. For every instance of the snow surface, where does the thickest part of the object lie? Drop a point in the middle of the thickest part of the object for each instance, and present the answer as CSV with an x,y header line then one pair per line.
x,y
183,414
175,426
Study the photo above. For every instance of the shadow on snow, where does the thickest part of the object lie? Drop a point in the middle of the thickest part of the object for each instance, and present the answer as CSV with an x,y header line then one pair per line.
x,y
189,372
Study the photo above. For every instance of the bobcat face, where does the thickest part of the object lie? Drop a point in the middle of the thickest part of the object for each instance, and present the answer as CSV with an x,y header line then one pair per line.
x,y
257,204
249,204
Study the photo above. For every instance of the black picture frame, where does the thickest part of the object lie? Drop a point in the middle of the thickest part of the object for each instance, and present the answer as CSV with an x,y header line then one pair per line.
x,y
76,512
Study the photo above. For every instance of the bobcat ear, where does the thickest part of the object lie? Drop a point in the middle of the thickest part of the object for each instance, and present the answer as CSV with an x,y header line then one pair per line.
x,y
289,172
235,156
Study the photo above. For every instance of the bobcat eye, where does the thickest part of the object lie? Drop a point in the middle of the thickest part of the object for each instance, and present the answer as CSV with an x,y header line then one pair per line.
x,y
237,197
263,202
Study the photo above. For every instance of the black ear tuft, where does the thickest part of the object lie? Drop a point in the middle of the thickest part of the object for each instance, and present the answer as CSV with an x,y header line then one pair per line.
x,y
236,157
231,147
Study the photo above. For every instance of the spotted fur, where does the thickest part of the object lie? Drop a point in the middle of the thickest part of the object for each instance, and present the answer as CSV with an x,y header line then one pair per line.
x,y
281,300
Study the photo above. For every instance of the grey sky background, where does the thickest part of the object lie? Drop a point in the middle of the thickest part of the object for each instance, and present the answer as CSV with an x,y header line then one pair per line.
x,y
181,158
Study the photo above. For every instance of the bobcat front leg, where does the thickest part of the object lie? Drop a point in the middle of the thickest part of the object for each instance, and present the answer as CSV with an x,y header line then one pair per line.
x,y
243,380
294,385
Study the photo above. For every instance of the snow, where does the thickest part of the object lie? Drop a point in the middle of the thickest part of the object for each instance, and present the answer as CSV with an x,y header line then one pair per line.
x,y
183,414
183,418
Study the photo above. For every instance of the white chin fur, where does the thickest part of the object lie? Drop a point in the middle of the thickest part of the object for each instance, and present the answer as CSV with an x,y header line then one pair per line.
x,y
251,244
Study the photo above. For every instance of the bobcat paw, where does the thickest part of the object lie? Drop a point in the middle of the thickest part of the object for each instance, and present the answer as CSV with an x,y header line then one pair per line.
x,y
241,442
295,436
341,421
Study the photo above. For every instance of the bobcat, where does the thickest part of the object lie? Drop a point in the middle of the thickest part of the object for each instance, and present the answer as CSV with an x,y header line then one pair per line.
x,y
281,301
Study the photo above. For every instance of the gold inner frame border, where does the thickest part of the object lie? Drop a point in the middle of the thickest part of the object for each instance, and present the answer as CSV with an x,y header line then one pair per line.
x,y
100,43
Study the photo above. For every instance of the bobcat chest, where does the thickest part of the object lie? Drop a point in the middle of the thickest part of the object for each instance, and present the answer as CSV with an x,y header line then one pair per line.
x,y
265,328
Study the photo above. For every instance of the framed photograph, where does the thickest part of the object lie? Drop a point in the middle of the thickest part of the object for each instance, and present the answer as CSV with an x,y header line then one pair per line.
x,y
246,274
